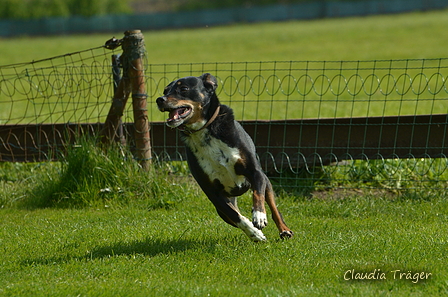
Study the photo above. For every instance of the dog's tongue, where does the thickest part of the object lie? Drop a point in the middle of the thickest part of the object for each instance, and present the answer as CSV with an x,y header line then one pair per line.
x,y
175,113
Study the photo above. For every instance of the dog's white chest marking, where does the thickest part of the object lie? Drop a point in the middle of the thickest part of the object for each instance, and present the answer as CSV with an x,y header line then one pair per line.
x,y
217,159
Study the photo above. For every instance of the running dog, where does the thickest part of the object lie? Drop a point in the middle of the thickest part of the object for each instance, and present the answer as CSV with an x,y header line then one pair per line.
x,y
220,154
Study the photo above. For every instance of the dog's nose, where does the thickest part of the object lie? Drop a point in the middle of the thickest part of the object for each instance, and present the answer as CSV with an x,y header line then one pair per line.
x,y
160,100
161,103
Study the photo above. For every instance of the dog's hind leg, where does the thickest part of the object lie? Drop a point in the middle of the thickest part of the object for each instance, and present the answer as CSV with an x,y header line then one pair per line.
x,y
230,214
233,201
225,218
246,225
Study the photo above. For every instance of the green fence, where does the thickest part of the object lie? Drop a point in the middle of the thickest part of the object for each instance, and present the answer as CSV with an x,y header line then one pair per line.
x,y
316,124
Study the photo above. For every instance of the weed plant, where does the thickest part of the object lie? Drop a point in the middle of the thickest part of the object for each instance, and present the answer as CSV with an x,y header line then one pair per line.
x,y
90,176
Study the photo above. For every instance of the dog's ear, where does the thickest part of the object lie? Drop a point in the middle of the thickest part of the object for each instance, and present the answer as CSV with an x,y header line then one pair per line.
x,y
210,82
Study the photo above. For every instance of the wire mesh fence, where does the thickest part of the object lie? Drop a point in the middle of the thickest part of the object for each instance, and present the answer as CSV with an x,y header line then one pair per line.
x,y
75,87
321,89
349,124
316,124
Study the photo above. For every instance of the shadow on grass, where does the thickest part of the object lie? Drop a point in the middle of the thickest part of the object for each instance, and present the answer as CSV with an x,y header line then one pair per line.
x,y
147,247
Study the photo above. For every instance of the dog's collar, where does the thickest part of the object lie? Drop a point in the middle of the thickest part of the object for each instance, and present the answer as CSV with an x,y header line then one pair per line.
x,y
187,130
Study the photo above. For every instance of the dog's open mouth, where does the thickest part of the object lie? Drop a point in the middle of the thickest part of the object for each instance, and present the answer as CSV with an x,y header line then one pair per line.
x,y
178,114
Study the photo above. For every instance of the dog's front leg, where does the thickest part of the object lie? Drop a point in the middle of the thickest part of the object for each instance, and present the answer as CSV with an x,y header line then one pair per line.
x,y
285,232
263,191
259,218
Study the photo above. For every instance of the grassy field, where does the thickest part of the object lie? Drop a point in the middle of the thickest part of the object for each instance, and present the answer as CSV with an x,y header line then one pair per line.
x,y
404,36
189,251
94,225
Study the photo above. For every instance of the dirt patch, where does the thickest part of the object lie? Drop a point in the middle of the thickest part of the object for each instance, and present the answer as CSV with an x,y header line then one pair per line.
x,y
343,193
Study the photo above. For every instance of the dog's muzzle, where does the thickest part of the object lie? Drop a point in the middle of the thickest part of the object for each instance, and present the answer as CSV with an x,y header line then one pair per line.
x,y
177,114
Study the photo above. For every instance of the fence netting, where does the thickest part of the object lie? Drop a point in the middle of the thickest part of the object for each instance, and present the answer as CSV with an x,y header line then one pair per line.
x,y
316,124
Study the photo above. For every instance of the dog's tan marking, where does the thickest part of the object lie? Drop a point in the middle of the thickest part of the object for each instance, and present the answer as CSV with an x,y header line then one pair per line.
x,y
196,116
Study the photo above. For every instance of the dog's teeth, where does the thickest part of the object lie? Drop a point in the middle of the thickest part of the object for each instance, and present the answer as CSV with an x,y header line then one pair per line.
x,y
174,115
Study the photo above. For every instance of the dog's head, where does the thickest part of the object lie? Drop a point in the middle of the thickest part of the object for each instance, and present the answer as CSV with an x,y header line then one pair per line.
x,y
188,100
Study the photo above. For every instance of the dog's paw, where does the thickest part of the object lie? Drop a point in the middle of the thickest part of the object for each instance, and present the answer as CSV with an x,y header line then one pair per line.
x,y
248,228
286,234
259,219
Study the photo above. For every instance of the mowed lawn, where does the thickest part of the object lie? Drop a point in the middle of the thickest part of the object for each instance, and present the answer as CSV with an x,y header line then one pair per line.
x,y
189,251
400,243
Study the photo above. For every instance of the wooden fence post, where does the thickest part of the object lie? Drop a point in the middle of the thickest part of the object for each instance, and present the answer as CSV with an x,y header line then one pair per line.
x,y
133,81
116,76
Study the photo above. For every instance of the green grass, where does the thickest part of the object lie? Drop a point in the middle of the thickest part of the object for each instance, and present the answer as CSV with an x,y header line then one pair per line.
x,y
188,251
403,36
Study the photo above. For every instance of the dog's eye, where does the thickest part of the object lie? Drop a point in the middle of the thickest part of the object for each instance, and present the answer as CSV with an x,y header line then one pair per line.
x,y
184,89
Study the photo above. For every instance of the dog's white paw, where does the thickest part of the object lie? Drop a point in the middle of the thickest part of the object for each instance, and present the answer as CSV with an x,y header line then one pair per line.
x,y
259,219
250,230
257,235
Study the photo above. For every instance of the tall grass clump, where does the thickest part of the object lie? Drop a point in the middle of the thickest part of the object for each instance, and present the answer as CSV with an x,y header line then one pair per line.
x,y
91,176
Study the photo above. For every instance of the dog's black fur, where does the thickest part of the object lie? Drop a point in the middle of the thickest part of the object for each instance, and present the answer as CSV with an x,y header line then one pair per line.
x,y
220,154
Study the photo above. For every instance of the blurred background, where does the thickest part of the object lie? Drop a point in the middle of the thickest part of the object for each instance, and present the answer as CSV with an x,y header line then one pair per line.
x,y
49,17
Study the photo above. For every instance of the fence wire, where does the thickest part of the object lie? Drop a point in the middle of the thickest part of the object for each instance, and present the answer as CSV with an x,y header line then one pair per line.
x,y
75,87
316,124
320,89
